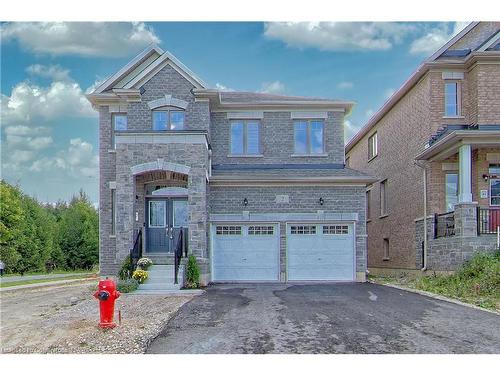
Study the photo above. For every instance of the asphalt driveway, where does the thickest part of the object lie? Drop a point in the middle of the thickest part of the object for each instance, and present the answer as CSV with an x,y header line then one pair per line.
x,y
325,318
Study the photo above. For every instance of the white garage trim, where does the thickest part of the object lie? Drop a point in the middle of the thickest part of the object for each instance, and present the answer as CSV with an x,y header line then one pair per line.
x,y
244,226
320,224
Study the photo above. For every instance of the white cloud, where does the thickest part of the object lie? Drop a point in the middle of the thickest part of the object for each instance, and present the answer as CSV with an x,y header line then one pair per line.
x,y
111,39
221,87
78,160
346,85
275,87
30,103
350,130
436,37
339,36
54,72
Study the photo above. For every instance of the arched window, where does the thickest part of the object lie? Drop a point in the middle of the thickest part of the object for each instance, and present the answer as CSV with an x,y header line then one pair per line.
x,y
168,118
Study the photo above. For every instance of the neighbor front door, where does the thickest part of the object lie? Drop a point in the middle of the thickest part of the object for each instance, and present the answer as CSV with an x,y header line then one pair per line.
x,y
163,218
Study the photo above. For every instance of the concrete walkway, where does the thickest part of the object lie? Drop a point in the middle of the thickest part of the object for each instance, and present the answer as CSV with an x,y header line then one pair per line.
x,y
8,279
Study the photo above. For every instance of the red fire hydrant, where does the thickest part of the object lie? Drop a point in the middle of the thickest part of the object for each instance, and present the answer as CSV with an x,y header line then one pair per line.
x,y
107,294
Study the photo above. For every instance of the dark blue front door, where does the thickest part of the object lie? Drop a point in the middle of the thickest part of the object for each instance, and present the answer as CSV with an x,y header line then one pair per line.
x,y
163,217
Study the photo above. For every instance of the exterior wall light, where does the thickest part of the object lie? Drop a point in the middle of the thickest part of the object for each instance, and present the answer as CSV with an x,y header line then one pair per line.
x,y
321,201
245,202
486,177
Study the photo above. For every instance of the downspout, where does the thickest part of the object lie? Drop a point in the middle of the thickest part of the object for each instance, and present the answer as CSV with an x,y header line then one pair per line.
x,y
424,265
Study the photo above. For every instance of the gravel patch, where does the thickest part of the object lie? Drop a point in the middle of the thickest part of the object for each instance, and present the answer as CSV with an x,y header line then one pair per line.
x,y
65,320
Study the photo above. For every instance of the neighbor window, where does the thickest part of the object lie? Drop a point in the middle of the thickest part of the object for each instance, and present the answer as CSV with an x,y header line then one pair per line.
x,y
368,204
451,196
383,198
494,172
309,137
245,138
168,119
113,211
119,125
372,146
451,99
386,249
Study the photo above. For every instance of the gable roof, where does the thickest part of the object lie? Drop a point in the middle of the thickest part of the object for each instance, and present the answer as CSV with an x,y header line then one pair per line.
x,y
141,68
437,57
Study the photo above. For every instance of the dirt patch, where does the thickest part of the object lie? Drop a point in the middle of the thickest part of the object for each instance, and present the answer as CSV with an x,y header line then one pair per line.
x,y
64,319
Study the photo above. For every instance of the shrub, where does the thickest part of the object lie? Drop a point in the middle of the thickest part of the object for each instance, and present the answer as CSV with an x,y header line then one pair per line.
x,y
192,273
144,263
140,276
124,273
127,286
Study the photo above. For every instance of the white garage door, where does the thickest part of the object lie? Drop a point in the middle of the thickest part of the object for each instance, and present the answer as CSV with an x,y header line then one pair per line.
x,y
320,252
245,252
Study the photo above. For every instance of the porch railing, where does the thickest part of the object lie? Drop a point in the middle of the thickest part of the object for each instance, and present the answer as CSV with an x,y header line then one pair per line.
x,y
136,251
180,250
488,220
444,224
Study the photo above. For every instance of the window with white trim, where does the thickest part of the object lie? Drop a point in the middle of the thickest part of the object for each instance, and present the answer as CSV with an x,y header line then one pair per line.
x,y
168,119
260,230
309,137
228,230
119,121
372,146
303,229
451,99
335,229
245,137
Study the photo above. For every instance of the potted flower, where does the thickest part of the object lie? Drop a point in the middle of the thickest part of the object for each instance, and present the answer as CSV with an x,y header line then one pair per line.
x,y
144,263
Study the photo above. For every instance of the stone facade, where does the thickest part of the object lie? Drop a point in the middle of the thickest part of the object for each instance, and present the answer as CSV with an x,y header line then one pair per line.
x,y
404,130
185,158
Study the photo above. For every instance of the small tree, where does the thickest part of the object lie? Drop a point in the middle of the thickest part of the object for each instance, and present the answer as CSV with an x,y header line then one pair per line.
x,y
192,273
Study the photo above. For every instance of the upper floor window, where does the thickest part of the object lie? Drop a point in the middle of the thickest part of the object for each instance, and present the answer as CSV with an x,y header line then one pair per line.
x,y
372,146
119,124
309,137
245,137
451,99
168,119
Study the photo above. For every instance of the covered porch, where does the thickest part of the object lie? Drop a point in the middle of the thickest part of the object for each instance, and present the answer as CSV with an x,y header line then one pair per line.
x,y
462,189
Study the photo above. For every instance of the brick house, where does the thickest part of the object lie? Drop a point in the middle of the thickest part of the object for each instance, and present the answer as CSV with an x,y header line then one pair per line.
x,y
436,140
255,182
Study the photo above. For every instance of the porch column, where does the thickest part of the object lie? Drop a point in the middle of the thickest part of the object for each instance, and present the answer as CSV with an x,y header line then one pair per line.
x,y
465,174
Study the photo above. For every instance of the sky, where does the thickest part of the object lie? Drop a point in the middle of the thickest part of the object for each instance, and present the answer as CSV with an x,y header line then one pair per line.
x,y
49,131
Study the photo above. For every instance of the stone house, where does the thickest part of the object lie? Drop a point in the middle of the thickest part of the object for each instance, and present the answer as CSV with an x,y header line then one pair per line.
x,y
255,182
435,149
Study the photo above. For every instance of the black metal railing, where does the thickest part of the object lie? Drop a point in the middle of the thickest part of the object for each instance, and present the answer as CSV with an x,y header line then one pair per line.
x,y
136,251
488,220
444,224
180,248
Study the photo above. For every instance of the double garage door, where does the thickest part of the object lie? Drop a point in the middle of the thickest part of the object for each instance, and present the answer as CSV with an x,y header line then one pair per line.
x,y
314,252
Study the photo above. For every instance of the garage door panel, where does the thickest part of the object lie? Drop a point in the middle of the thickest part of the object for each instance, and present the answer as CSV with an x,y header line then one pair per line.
x,y
319,256
245,256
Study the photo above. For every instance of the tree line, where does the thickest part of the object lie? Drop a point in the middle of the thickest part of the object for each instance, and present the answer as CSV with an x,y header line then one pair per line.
x,y
43,237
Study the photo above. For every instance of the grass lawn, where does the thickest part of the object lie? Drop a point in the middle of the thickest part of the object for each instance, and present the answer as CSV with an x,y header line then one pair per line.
x,y
55,272
5,284
476,282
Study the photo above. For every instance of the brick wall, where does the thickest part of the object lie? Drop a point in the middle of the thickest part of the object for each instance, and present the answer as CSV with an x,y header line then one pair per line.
x,y
277,140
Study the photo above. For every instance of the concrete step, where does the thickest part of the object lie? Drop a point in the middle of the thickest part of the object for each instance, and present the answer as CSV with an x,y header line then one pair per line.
x,y
159,286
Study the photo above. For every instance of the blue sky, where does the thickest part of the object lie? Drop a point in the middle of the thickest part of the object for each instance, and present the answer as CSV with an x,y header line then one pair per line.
x,y
49,131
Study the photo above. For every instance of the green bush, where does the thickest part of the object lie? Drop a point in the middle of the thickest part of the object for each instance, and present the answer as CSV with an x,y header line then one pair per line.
x,y
124,272
127,286
192,273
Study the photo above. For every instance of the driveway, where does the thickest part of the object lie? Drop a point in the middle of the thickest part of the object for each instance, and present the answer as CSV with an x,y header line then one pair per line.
x,y
325,318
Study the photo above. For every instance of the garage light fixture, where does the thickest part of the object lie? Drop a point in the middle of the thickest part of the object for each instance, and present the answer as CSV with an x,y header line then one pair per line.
x,y
245,202
321,201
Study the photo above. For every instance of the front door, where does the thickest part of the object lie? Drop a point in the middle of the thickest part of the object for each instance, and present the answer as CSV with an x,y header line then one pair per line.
x,y
163,218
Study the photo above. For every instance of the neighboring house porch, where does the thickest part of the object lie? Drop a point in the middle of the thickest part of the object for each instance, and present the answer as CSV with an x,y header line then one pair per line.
x,y
462,167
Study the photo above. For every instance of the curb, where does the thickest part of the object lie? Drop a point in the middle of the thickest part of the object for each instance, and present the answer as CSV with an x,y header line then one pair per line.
x,y
436,296
47,284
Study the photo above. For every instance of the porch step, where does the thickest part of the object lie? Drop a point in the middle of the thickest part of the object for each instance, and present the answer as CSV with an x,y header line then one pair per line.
x,y
161,259
161,278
